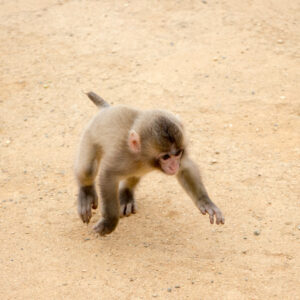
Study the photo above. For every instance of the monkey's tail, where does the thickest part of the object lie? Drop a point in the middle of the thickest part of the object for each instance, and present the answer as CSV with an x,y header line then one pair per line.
x,y
98,101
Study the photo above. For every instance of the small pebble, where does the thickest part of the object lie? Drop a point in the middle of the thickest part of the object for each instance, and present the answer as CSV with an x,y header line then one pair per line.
x,y
282,97
280,41
177,286
256,232
299,226
7,142
169,290
155,295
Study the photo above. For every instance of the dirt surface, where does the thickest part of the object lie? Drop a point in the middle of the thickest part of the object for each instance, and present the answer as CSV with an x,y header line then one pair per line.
x,y
230,69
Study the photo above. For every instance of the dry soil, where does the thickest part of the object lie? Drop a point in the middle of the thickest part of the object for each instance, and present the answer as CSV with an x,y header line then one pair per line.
x,y
230,69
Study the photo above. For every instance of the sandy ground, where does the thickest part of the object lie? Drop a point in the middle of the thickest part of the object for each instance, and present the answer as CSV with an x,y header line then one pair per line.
x,y
230,69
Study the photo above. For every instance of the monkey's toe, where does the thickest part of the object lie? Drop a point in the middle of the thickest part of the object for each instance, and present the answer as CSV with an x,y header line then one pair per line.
x,y
86,217
127,209
106,226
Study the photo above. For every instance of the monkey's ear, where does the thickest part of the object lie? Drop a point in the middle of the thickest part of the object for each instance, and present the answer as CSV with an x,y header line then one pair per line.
x,y
134,141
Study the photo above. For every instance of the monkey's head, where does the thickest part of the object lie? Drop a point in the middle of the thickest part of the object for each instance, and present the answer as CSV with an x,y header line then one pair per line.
x,y
159,140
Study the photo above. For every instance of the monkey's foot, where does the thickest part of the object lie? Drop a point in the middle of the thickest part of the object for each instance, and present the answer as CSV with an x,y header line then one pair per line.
x,y
126,209
127,203
87,199
106,226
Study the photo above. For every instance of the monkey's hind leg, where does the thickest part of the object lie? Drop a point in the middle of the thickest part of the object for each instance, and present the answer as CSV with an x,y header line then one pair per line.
x,y
126,196
86,170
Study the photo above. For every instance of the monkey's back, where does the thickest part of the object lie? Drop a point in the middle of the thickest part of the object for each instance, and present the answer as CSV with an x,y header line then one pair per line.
x,y
110,124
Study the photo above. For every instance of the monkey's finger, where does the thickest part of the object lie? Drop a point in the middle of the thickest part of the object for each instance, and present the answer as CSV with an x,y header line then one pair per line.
x,y
223,220
83,215
89,207
95,202
202,210
211,215
86,212
219,217
86,216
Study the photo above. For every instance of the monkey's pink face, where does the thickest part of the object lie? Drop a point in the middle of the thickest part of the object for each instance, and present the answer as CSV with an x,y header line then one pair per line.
x,y
169,162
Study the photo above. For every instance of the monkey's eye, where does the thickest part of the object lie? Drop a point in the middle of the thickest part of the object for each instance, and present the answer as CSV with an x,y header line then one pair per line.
x,y
165,157
179,152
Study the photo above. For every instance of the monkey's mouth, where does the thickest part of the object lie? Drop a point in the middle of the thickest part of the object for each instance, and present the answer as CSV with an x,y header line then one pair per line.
x,y
170,171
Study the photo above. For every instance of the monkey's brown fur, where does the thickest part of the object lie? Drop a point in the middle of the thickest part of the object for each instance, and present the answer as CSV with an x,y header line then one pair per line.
x,y
130,143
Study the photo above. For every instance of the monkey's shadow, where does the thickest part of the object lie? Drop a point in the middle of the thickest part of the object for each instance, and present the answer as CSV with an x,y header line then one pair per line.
x,y
164,232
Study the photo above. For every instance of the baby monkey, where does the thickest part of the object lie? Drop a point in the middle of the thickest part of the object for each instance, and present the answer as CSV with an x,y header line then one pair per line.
x,y
125,144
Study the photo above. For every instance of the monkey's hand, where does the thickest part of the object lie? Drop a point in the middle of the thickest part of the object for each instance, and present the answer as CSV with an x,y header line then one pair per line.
x,y
87,199
207,206
106,226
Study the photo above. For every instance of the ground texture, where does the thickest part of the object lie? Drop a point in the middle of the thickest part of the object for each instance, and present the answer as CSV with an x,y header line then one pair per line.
x,y
230,69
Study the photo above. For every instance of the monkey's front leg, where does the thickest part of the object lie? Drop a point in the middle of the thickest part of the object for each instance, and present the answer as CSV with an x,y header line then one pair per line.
x,y
190,179
87,199
110,203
